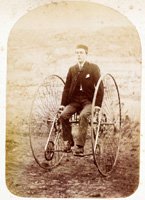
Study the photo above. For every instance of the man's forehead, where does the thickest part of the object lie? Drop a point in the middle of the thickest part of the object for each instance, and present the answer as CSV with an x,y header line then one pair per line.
x,y
80,50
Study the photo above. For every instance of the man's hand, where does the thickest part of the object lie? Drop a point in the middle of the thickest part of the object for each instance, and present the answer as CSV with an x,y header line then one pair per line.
x,y
96,113
61,108
96,109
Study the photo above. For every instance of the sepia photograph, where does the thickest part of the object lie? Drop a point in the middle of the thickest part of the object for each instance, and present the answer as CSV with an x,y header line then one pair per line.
x,y
73,103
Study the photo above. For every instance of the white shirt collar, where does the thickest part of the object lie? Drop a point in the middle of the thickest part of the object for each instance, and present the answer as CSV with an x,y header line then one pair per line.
x,y
81,65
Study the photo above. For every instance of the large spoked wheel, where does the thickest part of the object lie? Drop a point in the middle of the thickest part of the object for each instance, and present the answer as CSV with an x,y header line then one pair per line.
x,y
45,132
106,126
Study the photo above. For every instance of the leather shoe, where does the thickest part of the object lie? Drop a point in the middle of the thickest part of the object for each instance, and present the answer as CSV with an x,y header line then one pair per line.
x,y
79,151
68,145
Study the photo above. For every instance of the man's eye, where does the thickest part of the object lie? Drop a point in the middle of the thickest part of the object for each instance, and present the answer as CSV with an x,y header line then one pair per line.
x,y
79,53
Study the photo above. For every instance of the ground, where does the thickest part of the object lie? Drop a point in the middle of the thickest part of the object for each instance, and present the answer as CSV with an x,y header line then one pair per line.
x,y
37,51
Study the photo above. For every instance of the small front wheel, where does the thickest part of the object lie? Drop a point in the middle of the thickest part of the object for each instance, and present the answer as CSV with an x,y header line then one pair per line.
x,y
54,145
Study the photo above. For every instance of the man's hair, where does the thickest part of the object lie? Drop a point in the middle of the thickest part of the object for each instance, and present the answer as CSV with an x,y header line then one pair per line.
x,y
82,46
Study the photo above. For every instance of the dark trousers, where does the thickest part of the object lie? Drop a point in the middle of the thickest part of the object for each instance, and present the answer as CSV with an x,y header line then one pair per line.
x,y
80,104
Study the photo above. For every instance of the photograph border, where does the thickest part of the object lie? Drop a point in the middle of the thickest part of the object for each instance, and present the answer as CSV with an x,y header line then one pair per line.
x,y
11,12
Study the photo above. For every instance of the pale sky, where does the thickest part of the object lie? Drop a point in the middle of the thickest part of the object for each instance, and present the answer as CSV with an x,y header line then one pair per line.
x,y
67,16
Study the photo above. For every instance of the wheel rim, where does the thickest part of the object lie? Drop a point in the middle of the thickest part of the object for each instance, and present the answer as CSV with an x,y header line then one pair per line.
x,y
106,142
42,117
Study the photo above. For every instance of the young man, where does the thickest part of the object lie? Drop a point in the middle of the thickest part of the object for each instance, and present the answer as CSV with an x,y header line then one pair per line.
x,y
77,97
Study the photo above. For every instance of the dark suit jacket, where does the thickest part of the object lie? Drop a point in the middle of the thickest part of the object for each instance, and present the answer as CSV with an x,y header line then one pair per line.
x,y
90,74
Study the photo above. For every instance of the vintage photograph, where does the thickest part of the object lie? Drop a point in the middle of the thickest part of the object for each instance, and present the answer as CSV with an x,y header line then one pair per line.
x,y
73,103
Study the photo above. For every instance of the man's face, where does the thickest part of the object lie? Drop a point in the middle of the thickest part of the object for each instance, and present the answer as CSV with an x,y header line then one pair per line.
x,y
80,55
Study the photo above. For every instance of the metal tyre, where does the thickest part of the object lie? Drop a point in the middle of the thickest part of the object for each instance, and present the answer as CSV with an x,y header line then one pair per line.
x,y
43,120
106,126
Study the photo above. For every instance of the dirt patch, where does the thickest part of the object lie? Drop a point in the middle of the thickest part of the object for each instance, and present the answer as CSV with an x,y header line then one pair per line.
x,y
75,176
